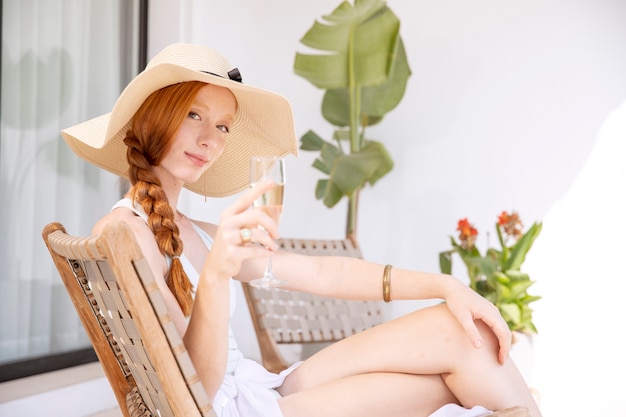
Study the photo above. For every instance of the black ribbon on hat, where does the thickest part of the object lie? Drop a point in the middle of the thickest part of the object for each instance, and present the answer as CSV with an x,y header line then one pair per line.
x,y
233,74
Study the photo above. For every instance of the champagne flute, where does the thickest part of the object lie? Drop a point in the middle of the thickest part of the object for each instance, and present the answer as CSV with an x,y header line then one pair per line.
x,y
266,168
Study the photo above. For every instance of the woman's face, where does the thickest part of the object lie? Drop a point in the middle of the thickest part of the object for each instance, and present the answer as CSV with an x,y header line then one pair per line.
x,y
201,137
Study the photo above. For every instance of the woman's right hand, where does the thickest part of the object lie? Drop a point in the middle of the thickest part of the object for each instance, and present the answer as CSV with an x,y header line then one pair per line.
x,y
228,251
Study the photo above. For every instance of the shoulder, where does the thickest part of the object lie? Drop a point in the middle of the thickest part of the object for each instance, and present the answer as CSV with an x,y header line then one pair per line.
x,y
120,214
144,236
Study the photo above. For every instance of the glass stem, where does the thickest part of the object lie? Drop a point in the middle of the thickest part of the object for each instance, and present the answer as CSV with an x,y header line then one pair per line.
x,y
268,269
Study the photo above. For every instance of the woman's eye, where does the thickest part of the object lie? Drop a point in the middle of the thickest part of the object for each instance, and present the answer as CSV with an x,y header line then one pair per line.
x,y
194,115
223,128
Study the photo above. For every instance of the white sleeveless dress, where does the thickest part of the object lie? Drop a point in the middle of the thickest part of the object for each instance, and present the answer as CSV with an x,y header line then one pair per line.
x,y
248,389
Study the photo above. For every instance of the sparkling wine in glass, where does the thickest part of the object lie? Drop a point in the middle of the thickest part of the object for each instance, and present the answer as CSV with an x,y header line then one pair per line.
x,y
266,168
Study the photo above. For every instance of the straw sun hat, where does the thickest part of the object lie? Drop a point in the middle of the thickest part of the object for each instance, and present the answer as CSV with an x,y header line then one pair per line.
x,y
263,124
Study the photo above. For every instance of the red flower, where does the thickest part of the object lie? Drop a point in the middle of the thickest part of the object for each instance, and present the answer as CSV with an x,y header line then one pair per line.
x,y
467,233
511,224
503,218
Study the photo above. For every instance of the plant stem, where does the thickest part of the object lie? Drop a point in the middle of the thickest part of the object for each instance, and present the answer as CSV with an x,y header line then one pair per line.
x,y
355,144
353,208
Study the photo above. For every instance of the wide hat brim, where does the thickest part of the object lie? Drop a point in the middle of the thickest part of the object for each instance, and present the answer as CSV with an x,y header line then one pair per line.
x,y
263,123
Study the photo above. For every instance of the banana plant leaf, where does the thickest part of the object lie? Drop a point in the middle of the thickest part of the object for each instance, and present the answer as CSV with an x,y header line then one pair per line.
x,y
358,40
376,100
347,172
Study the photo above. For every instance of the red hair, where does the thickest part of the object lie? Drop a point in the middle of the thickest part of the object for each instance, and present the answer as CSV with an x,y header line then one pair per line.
x,y
153,129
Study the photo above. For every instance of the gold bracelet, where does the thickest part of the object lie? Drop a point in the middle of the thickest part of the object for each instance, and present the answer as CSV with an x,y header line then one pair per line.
x,y
387,284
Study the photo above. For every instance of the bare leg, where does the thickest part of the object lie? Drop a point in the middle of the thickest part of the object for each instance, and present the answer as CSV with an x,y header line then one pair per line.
x,y
374,394
428,342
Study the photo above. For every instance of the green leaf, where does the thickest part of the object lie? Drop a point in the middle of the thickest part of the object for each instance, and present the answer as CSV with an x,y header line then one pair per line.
x,y
357,41
504,293
328,192
510,312
501,278
341,134
518,289
522,246
323,71
328,157
321,166
324,36
336,106
351,172
311,141
531,298
517,275
376,100
485,264
320,189
384,161
445,262
348,172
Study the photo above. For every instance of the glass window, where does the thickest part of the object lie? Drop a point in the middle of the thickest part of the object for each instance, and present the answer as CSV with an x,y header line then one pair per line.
x,y
63,61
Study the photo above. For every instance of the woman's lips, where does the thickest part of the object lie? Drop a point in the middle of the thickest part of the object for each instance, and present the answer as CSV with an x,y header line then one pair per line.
x,y
197,160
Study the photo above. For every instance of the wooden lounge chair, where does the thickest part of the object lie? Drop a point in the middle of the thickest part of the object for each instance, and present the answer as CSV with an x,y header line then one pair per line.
x,y
120,306
125,316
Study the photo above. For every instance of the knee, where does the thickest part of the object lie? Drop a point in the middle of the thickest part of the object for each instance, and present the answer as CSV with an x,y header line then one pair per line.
x,y
458,336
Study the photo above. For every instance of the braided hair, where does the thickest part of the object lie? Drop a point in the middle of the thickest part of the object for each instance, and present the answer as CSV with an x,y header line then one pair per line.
x,y
150,137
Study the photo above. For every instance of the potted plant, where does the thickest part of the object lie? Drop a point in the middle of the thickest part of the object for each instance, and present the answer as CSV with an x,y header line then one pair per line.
x,y
364,69
496,274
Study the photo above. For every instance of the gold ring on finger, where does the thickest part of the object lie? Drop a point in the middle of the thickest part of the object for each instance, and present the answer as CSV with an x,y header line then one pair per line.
x,y
246,235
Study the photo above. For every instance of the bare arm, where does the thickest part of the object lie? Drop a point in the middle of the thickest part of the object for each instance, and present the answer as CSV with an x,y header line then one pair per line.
x,y
356,279
206,337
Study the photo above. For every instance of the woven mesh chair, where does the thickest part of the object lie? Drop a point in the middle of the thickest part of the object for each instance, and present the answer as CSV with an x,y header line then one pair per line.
x,y
124,314
286,317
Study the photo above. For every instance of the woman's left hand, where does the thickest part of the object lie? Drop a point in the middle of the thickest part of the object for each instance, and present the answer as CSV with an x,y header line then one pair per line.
x,y
467,306
229,251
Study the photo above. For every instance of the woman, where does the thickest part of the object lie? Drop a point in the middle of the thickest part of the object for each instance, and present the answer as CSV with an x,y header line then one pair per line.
x,y
188,121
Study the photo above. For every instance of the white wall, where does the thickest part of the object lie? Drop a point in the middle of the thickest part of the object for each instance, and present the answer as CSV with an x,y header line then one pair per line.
x,y
502,112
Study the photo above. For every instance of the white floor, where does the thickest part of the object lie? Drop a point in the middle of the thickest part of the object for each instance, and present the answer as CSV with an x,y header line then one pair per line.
x,y
65,393
114,412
